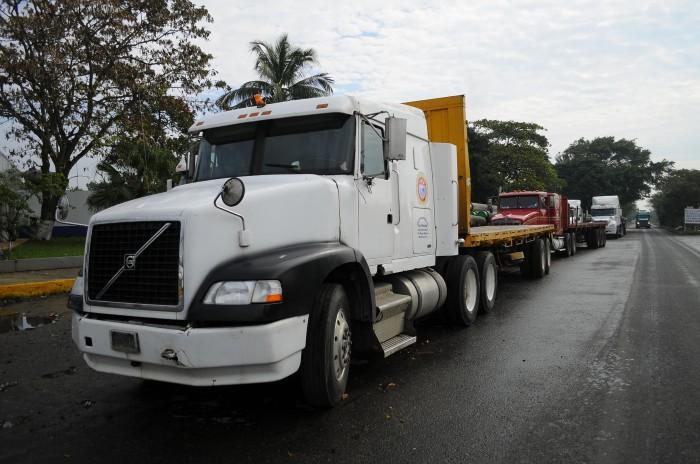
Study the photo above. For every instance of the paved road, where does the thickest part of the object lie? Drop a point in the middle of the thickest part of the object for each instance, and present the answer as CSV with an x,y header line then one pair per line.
x,y
596,363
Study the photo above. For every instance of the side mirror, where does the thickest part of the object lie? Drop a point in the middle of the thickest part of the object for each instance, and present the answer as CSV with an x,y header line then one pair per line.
x,y
181,167
395,138
63,208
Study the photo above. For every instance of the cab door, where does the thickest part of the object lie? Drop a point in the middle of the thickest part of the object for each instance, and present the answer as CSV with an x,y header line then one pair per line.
x,y
375,216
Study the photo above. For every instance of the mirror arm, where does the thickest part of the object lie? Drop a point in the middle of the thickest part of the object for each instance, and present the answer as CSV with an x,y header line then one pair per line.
x,y
61,221
216,205
243,235
371,116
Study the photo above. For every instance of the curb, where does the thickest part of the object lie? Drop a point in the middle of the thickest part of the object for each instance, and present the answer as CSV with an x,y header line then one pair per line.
x,y
40,264
49,287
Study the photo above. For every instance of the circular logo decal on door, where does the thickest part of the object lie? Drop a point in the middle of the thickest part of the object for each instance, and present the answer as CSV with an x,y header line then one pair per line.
x,y
422,188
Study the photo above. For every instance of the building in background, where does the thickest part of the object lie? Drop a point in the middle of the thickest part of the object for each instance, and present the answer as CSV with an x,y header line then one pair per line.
x,y
78,213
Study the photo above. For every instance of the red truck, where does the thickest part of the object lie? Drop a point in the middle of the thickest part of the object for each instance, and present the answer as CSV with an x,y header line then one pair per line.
x,y
534,208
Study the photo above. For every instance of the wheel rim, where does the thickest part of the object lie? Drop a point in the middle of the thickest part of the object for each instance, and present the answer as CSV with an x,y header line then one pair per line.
x,y
470,287
341,345
490,281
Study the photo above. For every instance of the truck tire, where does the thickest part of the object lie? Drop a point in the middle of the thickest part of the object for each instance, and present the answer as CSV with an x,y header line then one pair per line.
x,y
573,244
594,236
488,272
462,303
603,236
567,240
325,362
547,256
537,259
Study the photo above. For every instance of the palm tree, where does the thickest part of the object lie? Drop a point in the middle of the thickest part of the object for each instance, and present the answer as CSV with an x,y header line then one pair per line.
x,y
283,76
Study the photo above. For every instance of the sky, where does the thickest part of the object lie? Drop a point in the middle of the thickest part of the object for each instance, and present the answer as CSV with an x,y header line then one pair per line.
x,y
579,68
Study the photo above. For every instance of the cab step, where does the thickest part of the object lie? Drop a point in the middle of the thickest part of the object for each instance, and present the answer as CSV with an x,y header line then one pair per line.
x,y
397,343
391,311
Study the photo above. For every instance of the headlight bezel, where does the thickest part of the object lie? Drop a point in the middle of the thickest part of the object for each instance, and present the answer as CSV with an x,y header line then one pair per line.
x,y
244,292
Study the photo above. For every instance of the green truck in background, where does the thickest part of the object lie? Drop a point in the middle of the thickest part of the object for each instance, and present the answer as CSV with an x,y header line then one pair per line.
x,y
642,219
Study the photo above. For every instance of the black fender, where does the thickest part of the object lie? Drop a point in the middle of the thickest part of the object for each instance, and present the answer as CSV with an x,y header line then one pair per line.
x,y
301,269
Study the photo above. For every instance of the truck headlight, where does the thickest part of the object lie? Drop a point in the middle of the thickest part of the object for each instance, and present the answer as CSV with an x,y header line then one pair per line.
x,y
244,292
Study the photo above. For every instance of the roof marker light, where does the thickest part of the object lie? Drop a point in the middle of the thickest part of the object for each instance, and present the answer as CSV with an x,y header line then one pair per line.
x,y
252,115
321,106
265,113
241,116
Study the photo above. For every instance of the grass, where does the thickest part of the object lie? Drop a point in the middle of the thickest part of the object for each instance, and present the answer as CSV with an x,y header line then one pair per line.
x,y
61,246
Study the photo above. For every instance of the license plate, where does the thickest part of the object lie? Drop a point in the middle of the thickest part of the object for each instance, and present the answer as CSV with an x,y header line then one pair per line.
x,y
126,342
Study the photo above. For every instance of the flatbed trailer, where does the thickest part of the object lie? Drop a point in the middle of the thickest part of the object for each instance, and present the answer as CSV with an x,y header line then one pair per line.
x,y
591,233
483,236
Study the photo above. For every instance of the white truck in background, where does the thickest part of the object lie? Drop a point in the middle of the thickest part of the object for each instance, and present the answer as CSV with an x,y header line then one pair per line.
x,y
607,208
307,229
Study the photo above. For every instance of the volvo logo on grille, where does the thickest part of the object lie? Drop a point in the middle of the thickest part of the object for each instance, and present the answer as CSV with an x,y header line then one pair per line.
x,y
129,262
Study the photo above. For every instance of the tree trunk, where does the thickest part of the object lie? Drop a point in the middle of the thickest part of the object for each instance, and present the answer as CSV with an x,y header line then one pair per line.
x,y
49,201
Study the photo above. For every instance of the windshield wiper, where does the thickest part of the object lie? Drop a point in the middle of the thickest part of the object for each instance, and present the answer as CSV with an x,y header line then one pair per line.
x,y
294,167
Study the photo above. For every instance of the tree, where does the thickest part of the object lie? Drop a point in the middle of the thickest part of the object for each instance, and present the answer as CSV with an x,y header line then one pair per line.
x,y
681,188
14,206
71,69
143,155
283,71
606,166
142,170
511,155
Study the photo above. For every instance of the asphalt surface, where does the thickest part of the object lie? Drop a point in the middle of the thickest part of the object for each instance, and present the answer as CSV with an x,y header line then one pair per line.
x,y
598,362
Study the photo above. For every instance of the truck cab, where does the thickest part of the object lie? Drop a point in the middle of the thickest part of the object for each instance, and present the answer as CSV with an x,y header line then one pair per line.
x,y
642,219
606,208
305,228
531,208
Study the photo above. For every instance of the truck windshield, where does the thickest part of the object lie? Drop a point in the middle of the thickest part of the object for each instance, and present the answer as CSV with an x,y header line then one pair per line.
x,y
603,212
305,145
520,202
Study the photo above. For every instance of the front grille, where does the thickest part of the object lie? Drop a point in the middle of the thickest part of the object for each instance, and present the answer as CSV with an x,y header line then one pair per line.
x,y
154,277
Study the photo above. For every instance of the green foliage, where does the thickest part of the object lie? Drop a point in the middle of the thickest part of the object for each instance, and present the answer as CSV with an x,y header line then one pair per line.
x,y
14,207
57,246
606,166
283,71
73,69
132,171
681,188
511,155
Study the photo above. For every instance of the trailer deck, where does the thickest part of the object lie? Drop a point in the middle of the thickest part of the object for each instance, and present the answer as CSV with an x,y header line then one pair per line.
x,y
504,235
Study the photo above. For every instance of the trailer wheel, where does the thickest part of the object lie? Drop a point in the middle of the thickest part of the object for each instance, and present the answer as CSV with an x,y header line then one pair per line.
x,y
547,256
594,238
325,362
573,244
605,239
462,290
567,241
488,271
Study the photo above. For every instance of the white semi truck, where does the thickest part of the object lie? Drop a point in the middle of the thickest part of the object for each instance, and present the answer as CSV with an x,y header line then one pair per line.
x,y
307,230
607,208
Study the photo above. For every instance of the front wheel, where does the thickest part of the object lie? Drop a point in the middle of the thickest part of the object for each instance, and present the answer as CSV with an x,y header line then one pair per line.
x,y
325,363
